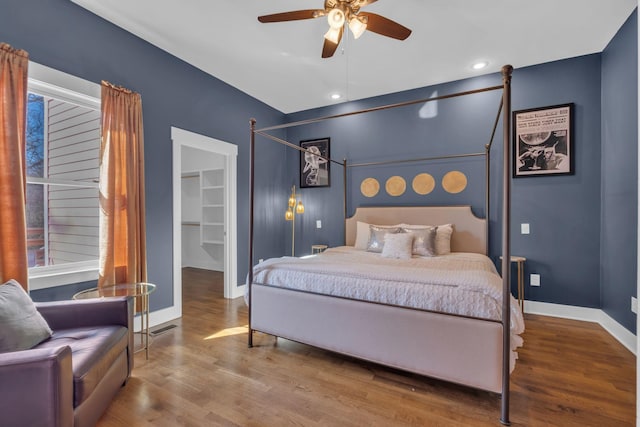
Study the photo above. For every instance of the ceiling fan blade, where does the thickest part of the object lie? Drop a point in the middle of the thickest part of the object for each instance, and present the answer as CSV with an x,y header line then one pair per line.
x,y
294,15
364,3
329,47
385,26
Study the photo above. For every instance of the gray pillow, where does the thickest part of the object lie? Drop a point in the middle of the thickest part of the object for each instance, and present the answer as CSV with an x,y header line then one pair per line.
x,y
21,325
376,237
424,240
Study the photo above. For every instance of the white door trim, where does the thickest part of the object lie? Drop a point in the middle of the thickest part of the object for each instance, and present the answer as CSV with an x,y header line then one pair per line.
x,y
182,138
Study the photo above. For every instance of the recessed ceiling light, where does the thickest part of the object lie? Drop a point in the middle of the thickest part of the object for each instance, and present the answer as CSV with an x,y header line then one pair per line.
x,y
479,65
336,96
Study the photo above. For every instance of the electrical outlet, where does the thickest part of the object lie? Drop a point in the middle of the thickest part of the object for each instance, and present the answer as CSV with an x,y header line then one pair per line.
x,y
260,260
524,228
534,280
634,304
318,223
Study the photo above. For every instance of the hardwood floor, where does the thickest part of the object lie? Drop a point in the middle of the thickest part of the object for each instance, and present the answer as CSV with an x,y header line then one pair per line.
x,y
201,373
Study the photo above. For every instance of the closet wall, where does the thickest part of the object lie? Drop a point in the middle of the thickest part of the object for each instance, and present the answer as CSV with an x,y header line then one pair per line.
x,y
202,209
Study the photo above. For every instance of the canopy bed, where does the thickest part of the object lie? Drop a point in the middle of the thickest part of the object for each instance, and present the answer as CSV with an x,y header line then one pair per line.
x,y
430,334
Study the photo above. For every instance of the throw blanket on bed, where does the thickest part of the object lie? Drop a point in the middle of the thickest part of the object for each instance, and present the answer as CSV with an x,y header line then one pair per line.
x,y
458,283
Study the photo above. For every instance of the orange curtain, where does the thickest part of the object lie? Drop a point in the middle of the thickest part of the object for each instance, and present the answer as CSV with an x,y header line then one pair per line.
x,y
13,103
123,253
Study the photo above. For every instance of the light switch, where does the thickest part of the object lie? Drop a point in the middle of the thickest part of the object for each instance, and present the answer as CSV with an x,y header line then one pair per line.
x,y
318,223
534,280
524,228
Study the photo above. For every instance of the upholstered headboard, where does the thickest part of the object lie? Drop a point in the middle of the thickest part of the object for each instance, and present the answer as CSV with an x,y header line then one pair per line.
x,y
469,235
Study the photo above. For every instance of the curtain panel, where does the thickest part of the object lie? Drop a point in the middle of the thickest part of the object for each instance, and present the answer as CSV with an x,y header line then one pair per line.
x,y
14,65
123,257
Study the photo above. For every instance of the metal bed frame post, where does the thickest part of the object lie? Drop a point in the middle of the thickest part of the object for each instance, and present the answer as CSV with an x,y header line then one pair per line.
x,y
487,148
252,125
344,187
487,188
507,70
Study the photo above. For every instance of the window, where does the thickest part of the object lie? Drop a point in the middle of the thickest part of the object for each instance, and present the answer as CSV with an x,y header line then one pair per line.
x,y
62,162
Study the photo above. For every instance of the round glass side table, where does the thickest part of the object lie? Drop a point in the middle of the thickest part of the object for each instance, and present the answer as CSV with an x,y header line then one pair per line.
x,y
139,291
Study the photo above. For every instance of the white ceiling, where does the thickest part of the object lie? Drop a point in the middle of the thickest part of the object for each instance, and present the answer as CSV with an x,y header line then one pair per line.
x,y
280,63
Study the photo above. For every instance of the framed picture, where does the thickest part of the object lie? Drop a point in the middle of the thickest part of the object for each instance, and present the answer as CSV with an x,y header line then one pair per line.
x,y
314,170
543,141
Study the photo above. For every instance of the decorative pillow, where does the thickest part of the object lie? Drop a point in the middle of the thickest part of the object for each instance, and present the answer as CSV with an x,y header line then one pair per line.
x,y
443,239
424,240
22,326
376,237
397,245
362,235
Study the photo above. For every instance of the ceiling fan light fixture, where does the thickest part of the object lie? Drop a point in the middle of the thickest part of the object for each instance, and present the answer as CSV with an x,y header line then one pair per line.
x,y
357,26
333,35
336,18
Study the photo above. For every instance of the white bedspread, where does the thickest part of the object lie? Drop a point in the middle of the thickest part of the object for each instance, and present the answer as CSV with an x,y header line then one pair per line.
x,y
458,283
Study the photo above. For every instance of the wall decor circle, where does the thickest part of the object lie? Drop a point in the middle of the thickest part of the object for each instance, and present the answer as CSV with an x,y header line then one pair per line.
x,y
423,183
395,186
369,187
454,182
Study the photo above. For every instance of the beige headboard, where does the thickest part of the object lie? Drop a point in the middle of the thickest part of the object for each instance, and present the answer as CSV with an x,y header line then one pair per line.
x,y
469,231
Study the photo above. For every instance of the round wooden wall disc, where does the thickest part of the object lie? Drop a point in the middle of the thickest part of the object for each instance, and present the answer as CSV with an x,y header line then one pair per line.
x,y
369,187
423,183
395,186
454,182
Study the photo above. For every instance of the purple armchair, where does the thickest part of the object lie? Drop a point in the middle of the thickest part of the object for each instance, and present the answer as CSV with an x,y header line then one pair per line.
x,y
71,378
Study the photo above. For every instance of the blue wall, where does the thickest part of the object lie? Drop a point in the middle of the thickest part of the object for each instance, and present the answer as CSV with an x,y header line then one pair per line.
x,y
61,35
461,126
620,173
564,212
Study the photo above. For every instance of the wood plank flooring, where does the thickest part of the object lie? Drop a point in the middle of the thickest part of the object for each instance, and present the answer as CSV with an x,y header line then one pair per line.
x,y
201,373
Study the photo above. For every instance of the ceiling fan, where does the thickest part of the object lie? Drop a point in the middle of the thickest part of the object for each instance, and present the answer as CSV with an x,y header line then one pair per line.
x,y
339,13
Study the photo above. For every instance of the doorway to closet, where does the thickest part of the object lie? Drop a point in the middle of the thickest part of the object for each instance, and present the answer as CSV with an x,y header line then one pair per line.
x,y
204,211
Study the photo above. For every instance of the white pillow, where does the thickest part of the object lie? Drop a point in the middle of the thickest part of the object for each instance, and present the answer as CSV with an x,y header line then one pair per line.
x,y
362,235
397,245
443,239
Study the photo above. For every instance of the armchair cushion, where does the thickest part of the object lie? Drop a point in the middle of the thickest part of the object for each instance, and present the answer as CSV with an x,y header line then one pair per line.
x,y
23,326
94,351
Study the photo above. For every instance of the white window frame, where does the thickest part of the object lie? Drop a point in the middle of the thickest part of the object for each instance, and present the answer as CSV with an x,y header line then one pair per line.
x,y
65,87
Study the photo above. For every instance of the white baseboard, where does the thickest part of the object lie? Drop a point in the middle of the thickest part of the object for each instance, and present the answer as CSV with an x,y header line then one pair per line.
x,y
238,291
586,314
595,315
172,313
159,317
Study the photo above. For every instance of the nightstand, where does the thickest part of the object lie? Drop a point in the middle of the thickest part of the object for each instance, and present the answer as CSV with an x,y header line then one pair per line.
x,y
519,260
316,249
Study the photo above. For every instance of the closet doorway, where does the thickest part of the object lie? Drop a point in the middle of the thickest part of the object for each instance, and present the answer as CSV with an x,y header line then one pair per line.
x,y
204,209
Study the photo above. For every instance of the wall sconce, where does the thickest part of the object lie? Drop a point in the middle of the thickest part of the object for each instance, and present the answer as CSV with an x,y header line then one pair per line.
x,y
295,207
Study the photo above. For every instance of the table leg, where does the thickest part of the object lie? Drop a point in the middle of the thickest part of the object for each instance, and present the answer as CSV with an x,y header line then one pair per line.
x,y
146,313
521,286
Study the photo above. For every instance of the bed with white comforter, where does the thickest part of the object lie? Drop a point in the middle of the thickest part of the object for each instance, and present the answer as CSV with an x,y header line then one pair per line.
x,y
465,284
437,316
